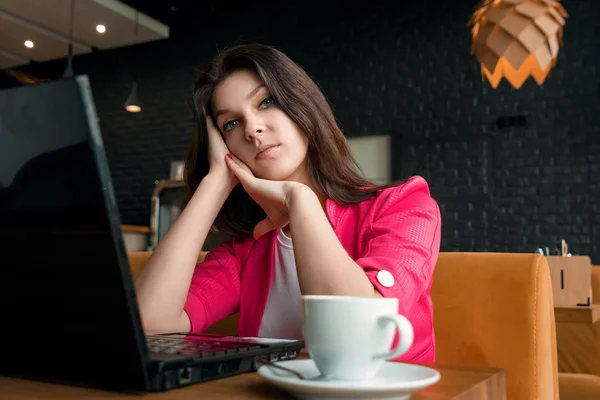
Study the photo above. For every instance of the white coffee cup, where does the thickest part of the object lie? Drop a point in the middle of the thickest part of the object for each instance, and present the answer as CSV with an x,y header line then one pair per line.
x,y
349,338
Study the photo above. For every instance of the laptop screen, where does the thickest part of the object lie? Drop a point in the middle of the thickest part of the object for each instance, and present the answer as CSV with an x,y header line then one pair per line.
x,y
65,287
47,161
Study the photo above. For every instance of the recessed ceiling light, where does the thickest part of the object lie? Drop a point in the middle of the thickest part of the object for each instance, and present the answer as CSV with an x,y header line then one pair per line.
x,y
29,44
100,28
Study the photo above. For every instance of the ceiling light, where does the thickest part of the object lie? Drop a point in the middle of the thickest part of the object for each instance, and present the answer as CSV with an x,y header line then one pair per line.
x,y
133,103
29,44
100,28
515,39
133,108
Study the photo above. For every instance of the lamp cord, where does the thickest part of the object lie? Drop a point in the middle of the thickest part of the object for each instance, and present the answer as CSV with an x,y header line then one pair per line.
x,y
72,18
136,24
69,70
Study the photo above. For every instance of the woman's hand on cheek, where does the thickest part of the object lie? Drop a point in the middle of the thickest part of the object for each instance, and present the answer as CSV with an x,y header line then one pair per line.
x,y
217,149
271,196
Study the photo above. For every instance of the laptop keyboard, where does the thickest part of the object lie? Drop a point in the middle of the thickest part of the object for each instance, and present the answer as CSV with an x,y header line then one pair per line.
x,y
197,347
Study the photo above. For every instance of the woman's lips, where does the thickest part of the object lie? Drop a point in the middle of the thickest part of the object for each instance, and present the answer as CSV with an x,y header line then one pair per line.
x,y
267,152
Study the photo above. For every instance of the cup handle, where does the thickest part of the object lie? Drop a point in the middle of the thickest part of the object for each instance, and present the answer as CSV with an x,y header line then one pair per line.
x,y
406,335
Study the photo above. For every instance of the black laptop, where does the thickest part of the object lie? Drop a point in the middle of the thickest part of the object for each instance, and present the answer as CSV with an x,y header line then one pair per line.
x,y
68,310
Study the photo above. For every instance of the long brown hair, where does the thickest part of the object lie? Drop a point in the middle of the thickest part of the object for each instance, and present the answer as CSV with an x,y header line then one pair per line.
x,y
330,163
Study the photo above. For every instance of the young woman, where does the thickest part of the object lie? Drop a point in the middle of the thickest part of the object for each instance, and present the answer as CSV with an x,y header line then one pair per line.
x,y
270,168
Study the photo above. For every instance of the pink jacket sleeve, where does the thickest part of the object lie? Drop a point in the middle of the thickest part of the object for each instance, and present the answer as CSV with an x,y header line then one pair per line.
x,y
403,239
215,288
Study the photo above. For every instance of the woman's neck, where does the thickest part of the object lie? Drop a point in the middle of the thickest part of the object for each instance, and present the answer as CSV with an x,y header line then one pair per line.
x,y
301,175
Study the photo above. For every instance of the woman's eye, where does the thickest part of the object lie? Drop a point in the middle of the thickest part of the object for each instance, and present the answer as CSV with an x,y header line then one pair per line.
x,y
229,125
268,102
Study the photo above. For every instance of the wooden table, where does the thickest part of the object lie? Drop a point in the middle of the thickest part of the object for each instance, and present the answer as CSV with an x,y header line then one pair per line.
x,y
135,229
585,314
455,383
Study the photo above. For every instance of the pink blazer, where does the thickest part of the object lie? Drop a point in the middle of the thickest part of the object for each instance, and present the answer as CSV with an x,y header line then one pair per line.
x,y
398,231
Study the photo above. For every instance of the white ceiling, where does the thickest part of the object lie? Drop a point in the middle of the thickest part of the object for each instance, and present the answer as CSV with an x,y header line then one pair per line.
x,y
47,24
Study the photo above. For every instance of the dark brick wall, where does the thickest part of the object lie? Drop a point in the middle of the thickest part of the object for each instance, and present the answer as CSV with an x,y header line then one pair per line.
x,y
408,72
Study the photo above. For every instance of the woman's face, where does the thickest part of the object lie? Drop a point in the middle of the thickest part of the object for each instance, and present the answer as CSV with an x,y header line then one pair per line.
x,y
257,130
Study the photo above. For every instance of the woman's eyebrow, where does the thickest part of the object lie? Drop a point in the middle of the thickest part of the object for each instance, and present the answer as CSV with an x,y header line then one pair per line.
x,y
254,91
248,97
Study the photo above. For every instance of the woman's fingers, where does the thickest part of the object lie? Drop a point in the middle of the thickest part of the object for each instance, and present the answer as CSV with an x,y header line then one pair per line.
x,y
235,165
213,131
216,145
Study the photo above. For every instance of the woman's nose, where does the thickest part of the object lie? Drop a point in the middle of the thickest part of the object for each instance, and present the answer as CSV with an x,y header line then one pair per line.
x,y
254,127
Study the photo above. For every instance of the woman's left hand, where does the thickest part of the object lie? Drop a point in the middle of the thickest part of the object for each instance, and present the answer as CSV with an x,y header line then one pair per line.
x,y
271,196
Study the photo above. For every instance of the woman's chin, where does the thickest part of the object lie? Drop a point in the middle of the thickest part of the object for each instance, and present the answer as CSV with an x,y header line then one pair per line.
x,y
275,177
274,174
279,170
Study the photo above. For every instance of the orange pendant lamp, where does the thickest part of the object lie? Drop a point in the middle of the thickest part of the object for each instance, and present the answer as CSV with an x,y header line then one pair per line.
x,y
516,39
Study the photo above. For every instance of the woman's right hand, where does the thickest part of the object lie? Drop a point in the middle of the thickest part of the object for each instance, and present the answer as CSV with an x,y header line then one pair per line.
x,y
217,150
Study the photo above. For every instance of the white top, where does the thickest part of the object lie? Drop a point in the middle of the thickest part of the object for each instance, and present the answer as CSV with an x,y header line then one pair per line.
x,y
283,314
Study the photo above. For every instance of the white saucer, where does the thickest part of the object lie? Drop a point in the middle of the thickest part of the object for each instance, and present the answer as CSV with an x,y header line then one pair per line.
x,y
393,381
